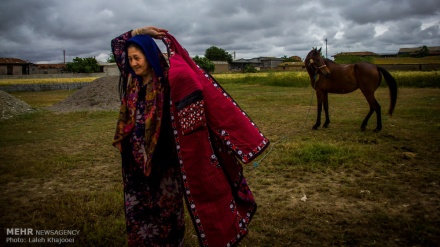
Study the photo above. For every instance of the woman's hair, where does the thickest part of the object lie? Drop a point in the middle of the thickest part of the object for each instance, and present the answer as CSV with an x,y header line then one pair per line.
x,y
122,86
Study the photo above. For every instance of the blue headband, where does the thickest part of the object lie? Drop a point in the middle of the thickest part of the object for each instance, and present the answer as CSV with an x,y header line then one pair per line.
x,y
151,51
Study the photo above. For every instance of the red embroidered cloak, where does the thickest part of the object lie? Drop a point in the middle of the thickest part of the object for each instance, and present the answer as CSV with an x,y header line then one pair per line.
x,y
211,134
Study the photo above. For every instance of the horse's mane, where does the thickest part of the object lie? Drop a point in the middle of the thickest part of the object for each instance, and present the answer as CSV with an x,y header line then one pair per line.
x,y
328,61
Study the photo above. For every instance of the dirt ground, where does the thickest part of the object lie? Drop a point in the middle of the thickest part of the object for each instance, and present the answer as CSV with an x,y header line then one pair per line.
x,y
384,194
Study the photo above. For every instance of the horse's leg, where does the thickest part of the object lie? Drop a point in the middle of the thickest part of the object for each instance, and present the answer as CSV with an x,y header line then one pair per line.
x,y
379,117
327,115
365,122
374,107
318,118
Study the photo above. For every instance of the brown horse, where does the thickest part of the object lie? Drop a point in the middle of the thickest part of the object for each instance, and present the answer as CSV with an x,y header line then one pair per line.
x,y
327,76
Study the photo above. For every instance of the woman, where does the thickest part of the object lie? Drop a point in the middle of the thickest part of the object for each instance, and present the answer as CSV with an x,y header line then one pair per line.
x,y
180,134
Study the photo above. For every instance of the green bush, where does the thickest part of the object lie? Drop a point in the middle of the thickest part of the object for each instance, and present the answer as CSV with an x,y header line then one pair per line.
x,y
205,63
83,65
250,69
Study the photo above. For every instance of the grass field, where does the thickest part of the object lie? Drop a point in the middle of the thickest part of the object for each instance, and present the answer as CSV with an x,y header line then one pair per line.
x,y
59,171
285,79
418,79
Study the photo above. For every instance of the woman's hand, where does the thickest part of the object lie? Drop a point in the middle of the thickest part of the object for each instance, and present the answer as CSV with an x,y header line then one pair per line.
x,y
118,146
157,33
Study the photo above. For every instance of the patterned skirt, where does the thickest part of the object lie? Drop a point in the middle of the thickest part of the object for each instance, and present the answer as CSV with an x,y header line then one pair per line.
x,y
153,205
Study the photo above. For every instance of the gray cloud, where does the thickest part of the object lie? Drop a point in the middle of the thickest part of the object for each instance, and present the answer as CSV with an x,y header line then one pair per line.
x,y
39,31
393,10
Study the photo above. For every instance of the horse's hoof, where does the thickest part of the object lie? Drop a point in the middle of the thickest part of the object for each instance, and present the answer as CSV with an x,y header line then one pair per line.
x,y
377,130
363,128
314,127
325,126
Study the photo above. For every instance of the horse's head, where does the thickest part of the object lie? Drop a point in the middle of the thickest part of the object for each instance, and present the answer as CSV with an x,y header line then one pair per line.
x,y
316,63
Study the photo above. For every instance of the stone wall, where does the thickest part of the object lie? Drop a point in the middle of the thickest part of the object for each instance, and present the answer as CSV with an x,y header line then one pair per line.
x,y
40,76
43,87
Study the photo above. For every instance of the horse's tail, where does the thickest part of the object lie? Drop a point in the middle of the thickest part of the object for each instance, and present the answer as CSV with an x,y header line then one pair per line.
x,y
392,86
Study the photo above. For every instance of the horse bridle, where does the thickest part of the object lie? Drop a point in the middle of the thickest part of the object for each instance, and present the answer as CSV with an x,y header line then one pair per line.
x,y
316,68
312,63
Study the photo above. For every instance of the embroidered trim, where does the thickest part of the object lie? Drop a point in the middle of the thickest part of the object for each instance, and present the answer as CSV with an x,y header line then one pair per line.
x,y
192,117
245,157
187,191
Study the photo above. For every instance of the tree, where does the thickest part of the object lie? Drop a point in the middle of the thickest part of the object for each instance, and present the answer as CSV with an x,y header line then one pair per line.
x,y
111,58
250,69
83,65
291,59
217,54
205,63
423,52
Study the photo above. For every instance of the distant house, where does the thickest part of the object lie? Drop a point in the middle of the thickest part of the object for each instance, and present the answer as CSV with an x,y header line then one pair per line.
x,y
433,51
109,68
241,64
221,66
14,66
260,63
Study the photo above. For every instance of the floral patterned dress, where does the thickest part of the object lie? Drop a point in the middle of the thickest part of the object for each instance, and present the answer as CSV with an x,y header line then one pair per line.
x,y
153,204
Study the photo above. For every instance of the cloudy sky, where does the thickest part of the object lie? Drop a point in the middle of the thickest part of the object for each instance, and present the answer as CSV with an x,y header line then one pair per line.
x,y
39,30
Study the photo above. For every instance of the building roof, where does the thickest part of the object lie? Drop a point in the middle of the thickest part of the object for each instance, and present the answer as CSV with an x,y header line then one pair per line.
x,y
271,59
7,60
409,50
256,60
51,66
244,60
433,50
220,62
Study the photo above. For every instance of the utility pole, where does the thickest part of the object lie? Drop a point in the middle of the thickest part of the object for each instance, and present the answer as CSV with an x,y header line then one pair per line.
x,y
326,48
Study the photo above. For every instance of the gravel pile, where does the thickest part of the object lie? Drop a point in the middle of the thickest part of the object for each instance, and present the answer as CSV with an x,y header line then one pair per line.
x,y
100,94
11,106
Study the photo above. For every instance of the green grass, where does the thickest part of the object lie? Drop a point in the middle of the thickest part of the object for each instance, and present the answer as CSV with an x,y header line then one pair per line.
x,y
418,79
407,60
45,98
59,171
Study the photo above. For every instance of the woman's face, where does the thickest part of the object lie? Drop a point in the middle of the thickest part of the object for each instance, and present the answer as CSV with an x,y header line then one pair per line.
x,y
138,61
